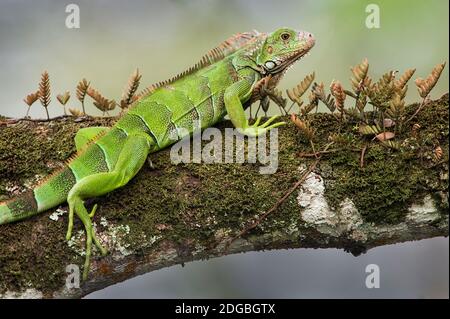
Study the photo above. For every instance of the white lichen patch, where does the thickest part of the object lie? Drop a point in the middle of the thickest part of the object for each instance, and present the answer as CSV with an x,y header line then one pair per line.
x,y
103,222
425,212
30,293
349,216
317,213
153,239
56,214
346,219
111,236
77,243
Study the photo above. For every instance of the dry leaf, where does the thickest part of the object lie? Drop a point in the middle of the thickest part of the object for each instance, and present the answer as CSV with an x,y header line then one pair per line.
x,y
385,136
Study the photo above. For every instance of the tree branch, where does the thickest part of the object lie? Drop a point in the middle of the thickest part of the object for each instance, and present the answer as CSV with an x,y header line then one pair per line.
x,y
172,214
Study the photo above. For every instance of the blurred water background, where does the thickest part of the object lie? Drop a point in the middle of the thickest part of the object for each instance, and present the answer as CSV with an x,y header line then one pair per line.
x,y
162,38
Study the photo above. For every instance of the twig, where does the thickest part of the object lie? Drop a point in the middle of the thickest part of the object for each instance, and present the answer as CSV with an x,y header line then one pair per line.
x,y
361,159
290,107
313,148
278,203
301,154
418,110
317,153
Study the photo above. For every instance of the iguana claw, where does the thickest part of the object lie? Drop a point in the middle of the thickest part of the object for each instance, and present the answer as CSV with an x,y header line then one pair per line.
x,y
255,129
76,206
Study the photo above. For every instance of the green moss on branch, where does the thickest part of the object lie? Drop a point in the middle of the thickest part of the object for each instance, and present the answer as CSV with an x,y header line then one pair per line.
x,y
176,213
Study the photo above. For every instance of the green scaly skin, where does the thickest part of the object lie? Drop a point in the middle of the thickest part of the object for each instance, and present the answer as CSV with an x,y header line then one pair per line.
x,y
107,158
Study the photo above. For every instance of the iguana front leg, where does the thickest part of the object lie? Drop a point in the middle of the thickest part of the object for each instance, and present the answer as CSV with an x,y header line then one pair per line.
x,y
133,155
233,105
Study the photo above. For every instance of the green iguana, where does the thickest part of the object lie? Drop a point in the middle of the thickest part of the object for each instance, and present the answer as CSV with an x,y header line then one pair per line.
x,y
225,81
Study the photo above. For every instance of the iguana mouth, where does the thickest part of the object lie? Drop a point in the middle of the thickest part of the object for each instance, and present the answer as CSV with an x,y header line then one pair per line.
x,y
285,62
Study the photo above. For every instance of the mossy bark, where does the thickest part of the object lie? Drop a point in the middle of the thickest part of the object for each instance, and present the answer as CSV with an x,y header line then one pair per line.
x,y
173,214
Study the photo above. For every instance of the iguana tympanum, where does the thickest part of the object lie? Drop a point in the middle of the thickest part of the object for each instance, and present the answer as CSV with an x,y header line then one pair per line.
x,y
223,82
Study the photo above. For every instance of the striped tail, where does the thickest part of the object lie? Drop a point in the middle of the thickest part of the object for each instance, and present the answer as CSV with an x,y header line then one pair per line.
x,y
49,193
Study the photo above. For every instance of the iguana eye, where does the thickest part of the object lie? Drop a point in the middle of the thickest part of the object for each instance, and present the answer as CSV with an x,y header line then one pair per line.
x,y
285,36
270,65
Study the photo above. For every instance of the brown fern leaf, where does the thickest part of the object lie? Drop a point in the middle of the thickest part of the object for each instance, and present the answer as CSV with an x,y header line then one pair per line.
x,y
82,89
111,105
100,102
401,91
44,92
425,86
381,92
415,129
361,102
401,82
63,98
396,108
44,89
339,96
297,92
304,126
75,112
319,91
128,96
359,79
313,103
438,153
276,96
31,98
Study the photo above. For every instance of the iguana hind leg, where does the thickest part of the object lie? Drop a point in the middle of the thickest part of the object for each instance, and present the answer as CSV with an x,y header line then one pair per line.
x,y
133,155
85,135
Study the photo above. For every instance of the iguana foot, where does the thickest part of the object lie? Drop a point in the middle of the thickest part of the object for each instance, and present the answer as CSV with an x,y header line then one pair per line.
x,y
255,129
76,206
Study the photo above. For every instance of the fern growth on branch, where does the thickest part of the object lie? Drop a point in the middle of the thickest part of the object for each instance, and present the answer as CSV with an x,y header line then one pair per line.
x,y
44,92
63,99
82,89
30,99
128,96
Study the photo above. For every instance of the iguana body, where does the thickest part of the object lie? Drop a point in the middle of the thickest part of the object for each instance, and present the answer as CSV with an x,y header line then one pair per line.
x,y
107,158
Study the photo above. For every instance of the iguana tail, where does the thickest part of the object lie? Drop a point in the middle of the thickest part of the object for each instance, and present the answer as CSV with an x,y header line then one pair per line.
x,y
49,193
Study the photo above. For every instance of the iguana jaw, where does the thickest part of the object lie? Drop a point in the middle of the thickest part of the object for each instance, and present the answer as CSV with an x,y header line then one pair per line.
x,y
306,42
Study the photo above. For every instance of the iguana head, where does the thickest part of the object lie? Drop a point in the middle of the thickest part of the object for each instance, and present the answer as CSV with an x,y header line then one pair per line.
x,y
282,48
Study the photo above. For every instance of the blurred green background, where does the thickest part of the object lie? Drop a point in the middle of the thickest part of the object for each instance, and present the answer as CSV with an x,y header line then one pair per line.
x,y
164,38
